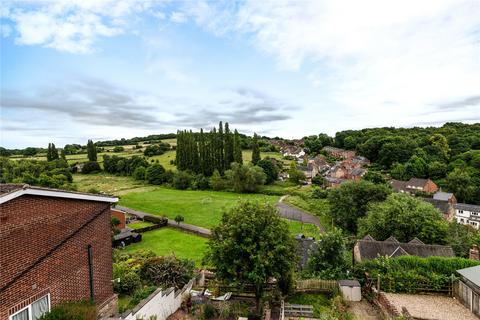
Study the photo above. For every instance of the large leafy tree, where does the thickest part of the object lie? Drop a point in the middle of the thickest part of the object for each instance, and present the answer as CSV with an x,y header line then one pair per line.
x,y
404,217
245,177
350,202
327,256
270,169
460,183
251,245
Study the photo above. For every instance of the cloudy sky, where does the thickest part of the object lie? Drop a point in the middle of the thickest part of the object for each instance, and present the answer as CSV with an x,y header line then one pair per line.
x,y
78,69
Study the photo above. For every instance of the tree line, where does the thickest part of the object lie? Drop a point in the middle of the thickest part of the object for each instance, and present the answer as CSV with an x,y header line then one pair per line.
x,y
207,152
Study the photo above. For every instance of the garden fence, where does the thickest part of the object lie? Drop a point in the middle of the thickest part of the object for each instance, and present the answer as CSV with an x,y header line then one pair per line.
x,y
315,285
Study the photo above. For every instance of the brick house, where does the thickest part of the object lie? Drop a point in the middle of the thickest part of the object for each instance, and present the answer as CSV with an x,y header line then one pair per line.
x,y
340,153
55,247
414,185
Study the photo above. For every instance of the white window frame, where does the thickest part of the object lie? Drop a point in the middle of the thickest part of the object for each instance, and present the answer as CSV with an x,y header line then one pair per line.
x,y
29,307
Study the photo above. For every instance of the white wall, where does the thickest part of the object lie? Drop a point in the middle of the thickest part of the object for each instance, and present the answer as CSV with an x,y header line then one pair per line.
x,y
162,305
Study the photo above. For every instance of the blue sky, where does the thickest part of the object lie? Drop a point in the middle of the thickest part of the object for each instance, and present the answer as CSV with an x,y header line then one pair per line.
x,y
79,69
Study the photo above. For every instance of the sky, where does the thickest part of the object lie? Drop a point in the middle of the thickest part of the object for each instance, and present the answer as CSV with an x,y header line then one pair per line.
x,y
90,69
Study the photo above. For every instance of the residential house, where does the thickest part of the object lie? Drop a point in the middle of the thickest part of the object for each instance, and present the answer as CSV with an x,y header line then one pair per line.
x,y
468,214
360,161
467,289
446,208
368,248
356,174
55,247
292,151
334,182
338,171
414,185
445,196
339,153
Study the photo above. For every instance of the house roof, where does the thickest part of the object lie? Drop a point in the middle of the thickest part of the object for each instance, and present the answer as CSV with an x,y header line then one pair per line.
x,y
442,206
371,249
417,182
397,185
467,207
349,283
472,274
442,196
357,172
11,191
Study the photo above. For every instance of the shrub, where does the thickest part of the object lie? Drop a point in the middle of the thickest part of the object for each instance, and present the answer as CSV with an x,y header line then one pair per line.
x,y
118,149
167,271
129,282
182,180
270,169
91,167
139,173
209,312
200,182
155,174
81,310
217,183
179,218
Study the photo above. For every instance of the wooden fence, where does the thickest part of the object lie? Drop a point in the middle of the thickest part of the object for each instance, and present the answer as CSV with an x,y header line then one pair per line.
x,y
315,285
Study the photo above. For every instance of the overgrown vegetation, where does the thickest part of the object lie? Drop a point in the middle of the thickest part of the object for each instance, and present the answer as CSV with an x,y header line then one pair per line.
x,y
411,273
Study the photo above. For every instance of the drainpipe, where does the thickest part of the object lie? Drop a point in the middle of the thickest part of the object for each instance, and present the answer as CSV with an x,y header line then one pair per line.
x,y
90,271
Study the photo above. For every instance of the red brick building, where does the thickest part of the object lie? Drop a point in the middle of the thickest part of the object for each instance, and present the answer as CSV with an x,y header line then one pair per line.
x,y
55,246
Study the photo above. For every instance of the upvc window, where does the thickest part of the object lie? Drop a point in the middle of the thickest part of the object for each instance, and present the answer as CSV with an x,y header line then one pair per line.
x,y
34,310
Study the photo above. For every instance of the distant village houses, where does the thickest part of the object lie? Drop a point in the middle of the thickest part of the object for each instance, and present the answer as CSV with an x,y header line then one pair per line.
x,y
339,153
414,185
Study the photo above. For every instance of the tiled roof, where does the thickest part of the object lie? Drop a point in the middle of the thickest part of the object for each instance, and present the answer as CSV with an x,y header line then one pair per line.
x,y
442,206
467,207
416,182
442,196
371,249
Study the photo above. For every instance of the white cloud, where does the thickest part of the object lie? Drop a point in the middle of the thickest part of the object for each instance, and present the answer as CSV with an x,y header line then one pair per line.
x,y
178,17
382,60
70,26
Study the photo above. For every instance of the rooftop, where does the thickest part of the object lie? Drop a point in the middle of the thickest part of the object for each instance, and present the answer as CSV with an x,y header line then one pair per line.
x,y
442,196
10,191
467,207
472,274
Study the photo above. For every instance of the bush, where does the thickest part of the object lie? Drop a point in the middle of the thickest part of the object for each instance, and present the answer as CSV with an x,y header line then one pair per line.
x,y
139,173
167,271
209,312
91,167
82,310
129,282
245,178
217,183
155,174
182,180
270,169
411,273
179,218
200,182
118,149
155,150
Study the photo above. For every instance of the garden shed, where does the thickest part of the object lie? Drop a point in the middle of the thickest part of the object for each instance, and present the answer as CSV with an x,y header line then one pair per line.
x,y
350,290
468,288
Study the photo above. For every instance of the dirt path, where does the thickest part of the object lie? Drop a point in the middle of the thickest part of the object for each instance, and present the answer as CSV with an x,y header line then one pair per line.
x,y
363,310
290,212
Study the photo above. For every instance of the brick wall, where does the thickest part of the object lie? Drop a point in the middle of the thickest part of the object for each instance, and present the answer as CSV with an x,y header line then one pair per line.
x,y
430,187
30,227
120,215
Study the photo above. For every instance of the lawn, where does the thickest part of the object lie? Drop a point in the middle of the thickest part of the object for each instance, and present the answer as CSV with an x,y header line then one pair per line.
x,y
139,225
319,301
201,208
166,241
318,207
308,229
108,183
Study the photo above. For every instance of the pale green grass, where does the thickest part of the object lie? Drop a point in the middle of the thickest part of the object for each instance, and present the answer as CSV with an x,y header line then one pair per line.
x,y
200,208
108,183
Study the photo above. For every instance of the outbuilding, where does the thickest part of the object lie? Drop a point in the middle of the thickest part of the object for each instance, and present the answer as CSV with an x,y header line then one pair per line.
x,y
467,289
350,289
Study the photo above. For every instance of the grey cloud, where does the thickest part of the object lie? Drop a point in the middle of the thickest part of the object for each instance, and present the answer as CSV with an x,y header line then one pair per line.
x,y
466,102
92,101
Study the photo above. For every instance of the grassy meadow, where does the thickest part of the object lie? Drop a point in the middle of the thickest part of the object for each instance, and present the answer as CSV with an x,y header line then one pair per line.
x,y
200,208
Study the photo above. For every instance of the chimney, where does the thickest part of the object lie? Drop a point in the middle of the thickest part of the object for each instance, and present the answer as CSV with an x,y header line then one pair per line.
x,y
474,254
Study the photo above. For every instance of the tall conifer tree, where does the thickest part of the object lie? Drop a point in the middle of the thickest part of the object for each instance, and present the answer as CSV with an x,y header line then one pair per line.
x,y
91,151
228,142
237,148
255,150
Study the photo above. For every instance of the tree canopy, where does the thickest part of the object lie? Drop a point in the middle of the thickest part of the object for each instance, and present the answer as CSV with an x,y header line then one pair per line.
x,y
251,245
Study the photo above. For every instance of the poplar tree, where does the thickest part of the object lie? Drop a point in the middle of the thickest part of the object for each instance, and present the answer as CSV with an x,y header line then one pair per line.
x,y
255,150
229,148
237,148
220,149
91,151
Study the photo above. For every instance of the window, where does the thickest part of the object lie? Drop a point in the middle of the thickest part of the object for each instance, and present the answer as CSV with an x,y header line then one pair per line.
x,y
34,310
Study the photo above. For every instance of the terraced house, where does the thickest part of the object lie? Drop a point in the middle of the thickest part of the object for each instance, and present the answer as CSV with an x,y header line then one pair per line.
x,y
468,214
55,247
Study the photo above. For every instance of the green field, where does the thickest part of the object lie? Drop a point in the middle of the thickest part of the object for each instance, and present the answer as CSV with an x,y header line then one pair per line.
x,y
307,229
166,241
318,207
109,183
200,208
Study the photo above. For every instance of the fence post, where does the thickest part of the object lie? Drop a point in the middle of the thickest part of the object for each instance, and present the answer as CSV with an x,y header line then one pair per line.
x,y
378,284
